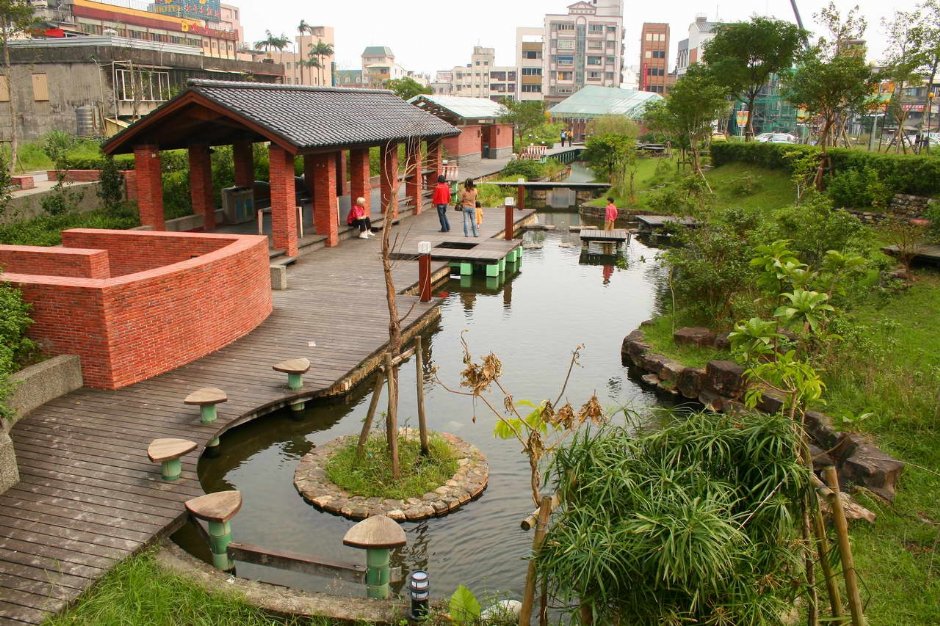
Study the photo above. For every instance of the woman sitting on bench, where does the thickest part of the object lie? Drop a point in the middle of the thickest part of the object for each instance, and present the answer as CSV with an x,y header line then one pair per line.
x,y
359,216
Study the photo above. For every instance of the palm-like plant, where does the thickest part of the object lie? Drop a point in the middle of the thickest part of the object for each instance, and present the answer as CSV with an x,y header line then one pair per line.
x,y
271,41
302,29
316,53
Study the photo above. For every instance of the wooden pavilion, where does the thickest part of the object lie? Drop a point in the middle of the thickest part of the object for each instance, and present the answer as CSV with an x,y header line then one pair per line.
x,y
320,124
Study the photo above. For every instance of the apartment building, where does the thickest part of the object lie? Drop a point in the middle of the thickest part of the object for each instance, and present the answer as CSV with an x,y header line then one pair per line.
x,y
530,42
298,69
482,78
691,49
654,57
583,47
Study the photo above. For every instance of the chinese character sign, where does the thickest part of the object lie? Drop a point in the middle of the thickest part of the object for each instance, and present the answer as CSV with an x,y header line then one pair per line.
x,y
209,10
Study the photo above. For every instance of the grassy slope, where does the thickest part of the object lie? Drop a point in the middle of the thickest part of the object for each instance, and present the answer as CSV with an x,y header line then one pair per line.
x,y
897,558
137,591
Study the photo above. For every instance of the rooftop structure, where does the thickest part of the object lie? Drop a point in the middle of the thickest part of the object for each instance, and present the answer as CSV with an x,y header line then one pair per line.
x,y
591,102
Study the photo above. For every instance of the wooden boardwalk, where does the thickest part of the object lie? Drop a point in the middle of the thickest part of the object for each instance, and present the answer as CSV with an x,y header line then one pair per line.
x,y
89,497
618,235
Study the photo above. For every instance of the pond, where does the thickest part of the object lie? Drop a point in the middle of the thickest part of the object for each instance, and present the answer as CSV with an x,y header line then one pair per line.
x,y
532,320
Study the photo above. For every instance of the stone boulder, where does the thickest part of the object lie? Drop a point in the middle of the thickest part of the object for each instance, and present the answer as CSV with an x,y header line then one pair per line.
x,y
694,336
725,378
670,370
873,469
819,427
722,341
689,382
632,349
770,402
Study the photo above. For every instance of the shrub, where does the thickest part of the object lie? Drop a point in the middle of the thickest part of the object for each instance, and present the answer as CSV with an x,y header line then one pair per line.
x,y
933,214
15,346
110,185
530,170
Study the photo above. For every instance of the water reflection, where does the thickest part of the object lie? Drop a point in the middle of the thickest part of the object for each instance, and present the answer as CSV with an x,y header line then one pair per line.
x,y
532,319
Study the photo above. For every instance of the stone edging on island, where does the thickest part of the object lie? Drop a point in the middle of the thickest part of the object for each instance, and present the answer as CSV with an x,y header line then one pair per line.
x,y
467,484
720,386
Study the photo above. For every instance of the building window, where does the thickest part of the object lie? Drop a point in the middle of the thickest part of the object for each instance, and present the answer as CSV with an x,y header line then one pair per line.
x,y
531,71
562,26
564,75
595,61
564,59
610,60
648,54
142,85
531,54
40,88
659,54
531,89
609,75
566,44
594,75
596,28
649,36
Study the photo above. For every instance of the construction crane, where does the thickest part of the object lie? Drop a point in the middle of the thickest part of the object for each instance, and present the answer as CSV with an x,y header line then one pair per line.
x,y
799,22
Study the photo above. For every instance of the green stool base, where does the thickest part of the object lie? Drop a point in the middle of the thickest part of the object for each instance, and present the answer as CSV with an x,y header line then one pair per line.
x,y
295,381
171,470
378,573
208,413
220,535
297,406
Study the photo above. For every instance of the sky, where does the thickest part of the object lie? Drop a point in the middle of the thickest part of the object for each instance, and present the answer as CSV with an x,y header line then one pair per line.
x,y
427,36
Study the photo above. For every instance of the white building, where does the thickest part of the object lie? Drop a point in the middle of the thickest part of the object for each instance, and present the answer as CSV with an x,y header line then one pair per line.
x,y
530,44
690,51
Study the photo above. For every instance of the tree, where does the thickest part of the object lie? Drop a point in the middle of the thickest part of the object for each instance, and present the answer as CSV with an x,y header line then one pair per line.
x,y
315,54
687,113
829,89
272,42
16,16
525,116
406,88
902,63
744,55
302,29
930,53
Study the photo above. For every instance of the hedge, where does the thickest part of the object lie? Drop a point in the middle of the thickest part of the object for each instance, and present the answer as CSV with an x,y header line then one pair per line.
x,y
901,173
123,162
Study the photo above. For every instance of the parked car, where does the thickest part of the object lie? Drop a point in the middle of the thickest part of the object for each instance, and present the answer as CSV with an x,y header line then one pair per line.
x,y
776,138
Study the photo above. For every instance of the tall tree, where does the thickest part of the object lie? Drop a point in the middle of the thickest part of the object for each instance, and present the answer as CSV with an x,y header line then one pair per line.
x,y
406,88
930,52
525,116
687,113
317,52
830,89
16,16
302,29
744,55
272,42
903,61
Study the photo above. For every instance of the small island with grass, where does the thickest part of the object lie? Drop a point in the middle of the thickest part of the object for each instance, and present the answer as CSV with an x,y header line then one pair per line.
x,y
333,477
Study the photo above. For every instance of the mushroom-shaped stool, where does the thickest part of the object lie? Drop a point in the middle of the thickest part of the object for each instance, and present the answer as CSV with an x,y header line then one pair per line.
x,y
217,509
206,399
377,535
295,370
167,453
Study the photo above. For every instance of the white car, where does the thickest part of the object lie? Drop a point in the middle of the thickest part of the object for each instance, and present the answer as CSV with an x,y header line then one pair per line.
x,y
780,138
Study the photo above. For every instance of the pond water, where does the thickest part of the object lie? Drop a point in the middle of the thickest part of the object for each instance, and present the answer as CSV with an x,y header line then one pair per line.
x,y
532,320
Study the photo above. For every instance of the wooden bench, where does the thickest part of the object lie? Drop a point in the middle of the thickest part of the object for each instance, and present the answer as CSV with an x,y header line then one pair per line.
x,y
206,399
217,509
167,453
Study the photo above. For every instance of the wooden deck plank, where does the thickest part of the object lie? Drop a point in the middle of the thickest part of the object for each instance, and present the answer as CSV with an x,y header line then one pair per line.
x,y
89,497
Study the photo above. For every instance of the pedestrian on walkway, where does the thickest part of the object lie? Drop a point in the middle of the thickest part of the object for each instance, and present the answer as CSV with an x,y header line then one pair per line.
x,y
564,135
360,219
441,199
479,214
610,214
468,202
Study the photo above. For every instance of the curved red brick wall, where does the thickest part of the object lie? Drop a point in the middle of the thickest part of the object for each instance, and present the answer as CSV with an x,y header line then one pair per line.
x,y
127,328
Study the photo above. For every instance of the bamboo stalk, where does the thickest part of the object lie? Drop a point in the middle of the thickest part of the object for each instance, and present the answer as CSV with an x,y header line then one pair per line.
x,y
845,549
812,604
373,404
391,420
543,603
422,416
528,596
822,550
529,522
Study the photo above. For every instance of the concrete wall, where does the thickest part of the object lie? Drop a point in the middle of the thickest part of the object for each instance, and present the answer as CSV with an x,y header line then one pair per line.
x,y
71,85
37,384
27,206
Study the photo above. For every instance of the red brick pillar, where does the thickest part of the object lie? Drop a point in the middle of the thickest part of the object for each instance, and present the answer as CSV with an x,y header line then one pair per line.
x,y
434,160
149,186
244,164
325,205
389,176
360,176
283,207
413,175
342,187
200,184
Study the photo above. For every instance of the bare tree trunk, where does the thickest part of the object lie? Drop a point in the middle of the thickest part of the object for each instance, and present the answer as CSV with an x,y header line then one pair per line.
x,y
14,137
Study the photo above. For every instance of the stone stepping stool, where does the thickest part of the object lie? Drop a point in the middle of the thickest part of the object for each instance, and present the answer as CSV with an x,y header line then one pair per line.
x,y
295,370
377,535
217,509
207,399
167,453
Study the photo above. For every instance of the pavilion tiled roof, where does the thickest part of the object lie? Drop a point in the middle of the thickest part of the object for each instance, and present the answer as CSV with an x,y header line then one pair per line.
x,y
302,119
314,117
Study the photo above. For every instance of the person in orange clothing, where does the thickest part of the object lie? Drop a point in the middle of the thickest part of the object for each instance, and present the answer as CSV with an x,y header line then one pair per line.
x,y
479,213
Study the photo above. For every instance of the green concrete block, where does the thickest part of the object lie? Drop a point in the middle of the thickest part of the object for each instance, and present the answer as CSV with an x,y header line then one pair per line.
x,y
297,405
492,283
466,281
295,381
502,265
378,573
220,535
466,269
492,270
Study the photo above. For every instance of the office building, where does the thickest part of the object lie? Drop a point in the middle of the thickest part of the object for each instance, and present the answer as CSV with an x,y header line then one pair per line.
x,y
654,57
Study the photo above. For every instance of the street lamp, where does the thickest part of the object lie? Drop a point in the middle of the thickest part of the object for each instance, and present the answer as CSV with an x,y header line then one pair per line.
x,y
930,96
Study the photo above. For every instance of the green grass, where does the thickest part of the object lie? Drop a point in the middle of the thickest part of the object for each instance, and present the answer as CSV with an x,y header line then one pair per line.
x,y
772,189
139,592
659,336
371,476
46,230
